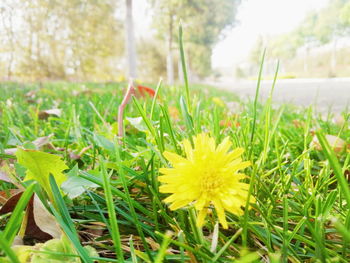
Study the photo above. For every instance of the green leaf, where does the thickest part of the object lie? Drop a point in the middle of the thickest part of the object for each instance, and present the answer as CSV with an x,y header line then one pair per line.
x,y
74,186
40,165
137,123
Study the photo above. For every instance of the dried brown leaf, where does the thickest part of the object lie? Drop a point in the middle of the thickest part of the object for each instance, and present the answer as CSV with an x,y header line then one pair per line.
x,y
42,141
44,220
335,142
43,115
4,177
41,225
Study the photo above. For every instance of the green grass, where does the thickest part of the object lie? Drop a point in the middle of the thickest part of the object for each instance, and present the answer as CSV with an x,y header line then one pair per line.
x,y
302,208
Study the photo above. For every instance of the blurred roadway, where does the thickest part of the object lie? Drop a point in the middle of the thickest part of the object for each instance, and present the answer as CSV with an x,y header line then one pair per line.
x,y
325,94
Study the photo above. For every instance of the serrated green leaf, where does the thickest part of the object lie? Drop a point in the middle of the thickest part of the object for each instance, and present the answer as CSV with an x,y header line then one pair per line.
x,y
40,165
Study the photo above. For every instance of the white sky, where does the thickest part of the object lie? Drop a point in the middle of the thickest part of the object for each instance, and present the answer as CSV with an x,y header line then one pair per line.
x,y
255,18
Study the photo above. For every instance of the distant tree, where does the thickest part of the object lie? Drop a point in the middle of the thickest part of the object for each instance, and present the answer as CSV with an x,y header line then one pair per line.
x,y
205,27
152,57
167,14
255,54
318,28
55,40
203,21
345,18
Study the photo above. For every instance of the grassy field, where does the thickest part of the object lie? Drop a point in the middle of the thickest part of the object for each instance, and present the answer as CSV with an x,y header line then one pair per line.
x,y
104,194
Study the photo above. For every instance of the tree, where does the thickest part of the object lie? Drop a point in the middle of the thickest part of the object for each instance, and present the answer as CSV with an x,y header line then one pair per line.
x,y
152,55
318,28
203,24
166,19
54,40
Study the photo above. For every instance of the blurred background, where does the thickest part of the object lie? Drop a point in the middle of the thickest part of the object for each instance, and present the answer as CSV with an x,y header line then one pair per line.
x,y
110,40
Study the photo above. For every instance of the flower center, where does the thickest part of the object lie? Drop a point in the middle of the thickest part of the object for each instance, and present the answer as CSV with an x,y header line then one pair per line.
x,y
210,182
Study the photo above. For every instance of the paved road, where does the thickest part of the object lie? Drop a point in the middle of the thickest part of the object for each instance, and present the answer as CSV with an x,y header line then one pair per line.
x,y
325,94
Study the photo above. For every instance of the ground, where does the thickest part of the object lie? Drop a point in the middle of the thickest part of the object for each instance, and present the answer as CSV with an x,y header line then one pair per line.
x,y
112,201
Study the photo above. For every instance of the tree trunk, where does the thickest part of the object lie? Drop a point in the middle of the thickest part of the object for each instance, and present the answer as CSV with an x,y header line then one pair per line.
x,y
130,41
170,61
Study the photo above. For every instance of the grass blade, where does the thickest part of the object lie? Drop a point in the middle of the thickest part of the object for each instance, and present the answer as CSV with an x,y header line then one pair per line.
x,y
111,213
184,68
155,98
65,221
15,221
333,160
256,104
4,245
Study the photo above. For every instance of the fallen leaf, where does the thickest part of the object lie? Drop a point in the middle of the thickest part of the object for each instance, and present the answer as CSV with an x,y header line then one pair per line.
x,y
7,194
4,177
10,204
335,142
36,228
10,151
75,156
44,220
298,123
42,141
7,175
43,115
33,230
38,143
144,90
30,94
339,120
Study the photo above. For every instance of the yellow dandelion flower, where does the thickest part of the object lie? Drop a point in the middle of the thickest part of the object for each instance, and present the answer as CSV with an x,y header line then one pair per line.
x,y
208,176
